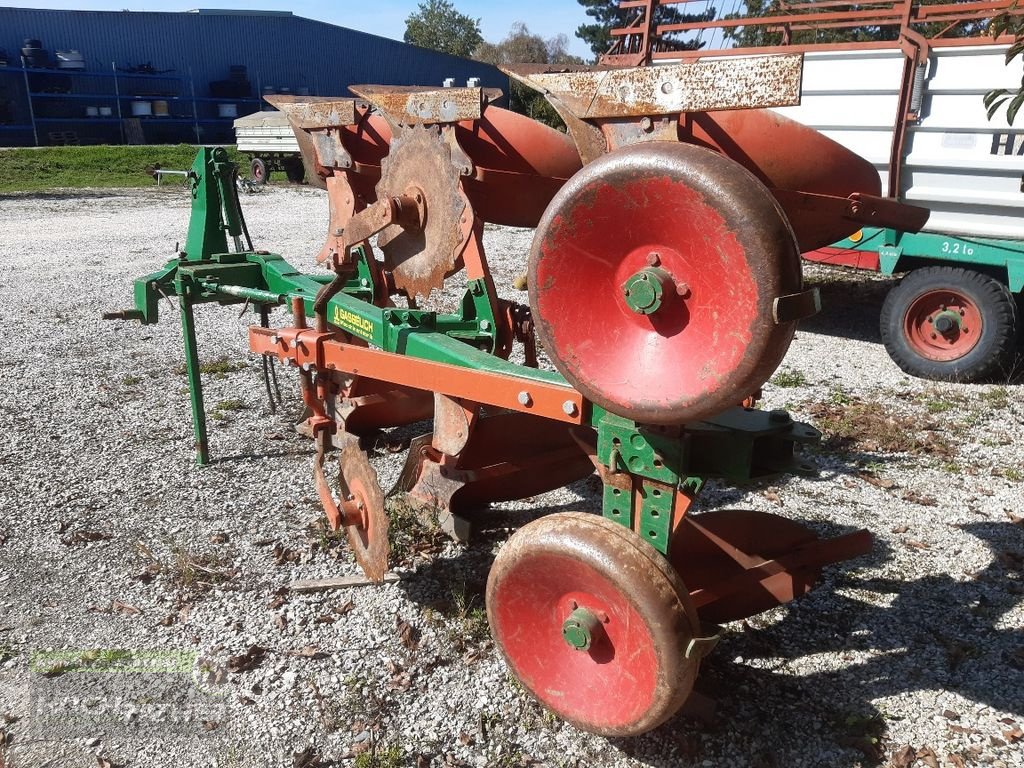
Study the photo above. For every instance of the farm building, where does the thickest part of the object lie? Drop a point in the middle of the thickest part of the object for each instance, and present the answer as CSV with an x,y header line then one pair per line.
x,y
113,76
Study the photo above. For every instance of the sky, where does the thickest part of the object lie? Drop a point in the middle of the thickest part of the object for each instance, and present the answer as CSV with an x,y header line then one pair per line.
x,y
380,17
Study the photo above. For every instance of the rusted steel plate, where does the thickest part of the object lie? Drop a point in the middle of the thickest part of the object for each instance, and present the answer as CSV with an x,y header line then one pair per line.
x,y
414,105
753,82
315,111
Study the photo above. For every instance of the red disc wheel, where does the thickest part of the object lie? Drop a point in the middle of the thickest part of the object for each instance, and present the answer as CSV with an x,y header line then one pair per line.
x,y
942,325
594,622
653,276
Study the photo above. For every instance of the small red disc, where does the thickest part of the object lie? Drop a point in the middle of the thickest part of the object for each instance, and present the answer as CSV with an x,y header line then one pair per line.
x,y
625,672
653,277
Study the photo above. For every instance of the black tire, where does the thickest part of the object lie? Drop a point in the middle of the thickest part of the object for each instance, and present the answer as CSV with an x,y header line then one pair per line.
x,y
258,170
984,357
295,171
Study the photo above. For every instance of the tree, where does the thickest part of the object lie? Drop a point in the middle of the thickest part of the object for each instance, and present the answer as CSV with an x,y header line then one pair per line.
x,y
437,24
608,16
521,46
1007,24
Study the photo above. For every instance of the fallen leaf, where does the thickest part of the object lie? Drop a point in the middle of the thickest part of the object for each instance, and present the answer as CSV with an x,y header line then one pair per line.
x,y
325,619
283,554
772,494
996,741
903,757
102,762
956,760
928,757
422,761
901,529
1014,735
961,729
210,725
341,610
280,621
949,714
247,661
916,498
407,634
245,700
875,480
915,544
465,739
307,758
276,602
167,620
219,538
1008,721
80,537
118,605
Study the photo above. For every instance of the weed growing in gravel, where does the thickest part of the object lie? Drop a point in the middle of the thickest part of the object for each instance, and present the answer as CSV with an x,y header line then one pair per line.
x,y
940,401
789,378
218,368
409,534
131,381
199,571
221,410
850,422
468,615
379,757
1013,474
997,398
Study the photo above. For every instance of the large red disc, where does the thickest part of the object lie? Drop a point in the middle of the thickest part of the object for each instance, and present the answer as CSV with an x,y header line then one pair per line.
x,y
555,572
653,276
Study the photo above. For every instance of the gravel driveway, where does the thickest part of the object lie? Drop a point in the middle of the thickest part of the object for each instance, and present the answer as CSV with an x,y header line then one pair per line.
x,y
144,614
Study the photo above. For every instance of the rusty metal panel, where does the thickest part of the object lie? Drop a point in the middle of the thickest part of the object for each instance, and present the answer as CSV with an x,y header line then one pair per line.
x,y
413,105
753,82
312,112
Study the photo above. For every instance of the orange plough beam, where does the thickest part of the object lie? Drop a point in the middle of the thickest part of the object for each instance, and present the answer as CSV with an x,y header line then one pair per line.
x,y
311,350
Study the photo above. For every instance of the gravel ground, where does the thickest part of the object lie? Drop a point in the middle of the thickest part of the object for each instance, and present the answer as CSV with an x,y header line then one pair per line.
x,y
111,539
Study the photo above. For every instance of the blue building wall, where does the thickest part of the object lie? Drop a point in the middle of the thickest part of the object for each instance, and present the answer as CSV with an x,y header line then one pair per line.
x,y
277,48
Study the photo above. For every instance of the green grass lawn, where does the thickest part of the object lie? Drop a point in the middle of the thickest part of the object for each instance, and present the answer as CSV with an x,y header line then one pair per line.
x,y
35,169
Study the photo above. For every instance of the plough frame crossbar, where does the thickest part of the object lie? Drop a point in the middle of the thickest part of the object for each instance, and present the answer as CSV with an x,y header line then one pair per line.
x,y
502,430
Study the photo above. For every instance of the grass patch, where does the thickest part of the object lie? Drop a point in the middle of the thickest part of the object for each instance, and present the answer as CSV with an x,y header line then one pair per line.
x,y
997,398
789,378
131,381
380,757
33,169
199,572
409,536
219,368
870,425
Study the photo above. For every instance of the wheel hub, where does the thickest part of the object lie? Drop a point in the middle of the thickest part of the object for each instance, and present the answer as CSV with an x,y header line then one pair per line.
x,y
942,325
645,290
579,629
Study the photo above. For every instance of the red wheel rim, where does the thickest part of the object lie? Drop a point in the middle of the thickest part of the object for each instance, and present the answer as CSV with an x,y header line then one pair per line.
x,y
942,325
721,251
634,675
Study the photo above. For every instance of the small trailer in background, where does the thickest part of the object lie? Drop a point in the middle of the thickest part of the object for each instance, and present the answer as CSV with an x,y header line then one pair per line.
x,y
267,139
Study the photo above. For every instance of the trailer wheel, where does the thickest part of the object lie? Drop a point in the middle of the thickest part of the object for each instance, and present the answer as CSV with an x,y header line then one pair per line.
x,y
950,324
594,622
258,171
294,170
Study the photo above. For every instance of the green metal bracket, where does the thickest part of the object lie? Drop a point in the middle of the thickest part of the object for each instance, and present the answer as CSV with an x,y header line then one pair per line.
x,y
622,445
656,506
206,231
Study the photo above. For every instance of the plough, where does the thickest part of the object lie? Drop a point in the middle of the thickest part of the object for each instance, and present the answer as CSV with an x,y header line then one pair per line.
x,y
664,289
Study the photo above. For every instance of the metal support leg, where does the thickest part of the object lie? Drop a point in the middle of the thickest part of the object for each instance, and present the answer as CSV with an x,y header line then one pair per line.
x,y
195,384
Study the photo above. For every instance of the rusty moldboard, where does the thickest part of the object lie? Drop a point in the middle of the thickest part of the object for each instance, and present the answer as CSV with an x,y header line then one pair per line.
x,y
309,112
414,105
754,82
